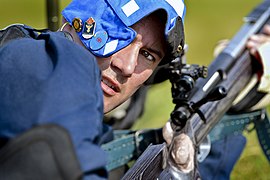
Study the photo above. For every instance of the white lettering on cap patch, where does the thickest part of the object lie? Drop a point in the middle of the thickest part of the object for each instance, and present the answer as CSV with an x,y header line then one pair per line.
x,y
130,8
110,46
178,6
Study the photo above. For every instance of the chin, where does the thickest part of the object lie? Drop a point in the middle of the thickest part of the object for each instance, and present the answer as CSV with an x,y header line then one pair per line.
x,y
106,109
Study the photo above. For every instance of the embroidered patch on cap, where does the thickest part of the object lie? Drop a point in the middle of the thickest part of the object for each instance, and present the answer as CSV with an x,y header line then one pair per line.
x,y
130,8
77,24
89,28
178,6
98,40
110,47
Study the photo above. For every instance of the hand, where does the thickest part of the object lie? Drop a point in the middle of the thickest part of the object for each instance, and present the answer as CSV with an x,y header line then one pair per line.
x,y
181,155
257,40
259,47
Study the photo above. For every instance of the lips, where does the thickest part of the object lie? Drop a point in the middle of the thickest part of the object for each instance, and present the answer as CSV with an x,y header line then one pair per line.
x,y
109,86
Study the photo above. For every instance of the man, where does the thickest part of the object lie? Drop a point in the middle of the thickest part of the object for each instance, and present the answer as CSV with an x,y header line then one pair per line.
x,y
46,78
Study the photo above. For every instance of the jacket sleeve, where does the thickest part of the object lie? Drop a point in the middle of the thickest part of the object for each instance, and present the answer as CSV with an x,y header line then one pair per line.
x,y
53,80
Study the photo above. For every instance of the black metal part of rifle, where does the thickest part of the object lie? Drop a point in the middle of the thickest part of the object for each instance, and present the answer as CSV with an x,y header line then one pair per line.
x,y
183,78
53,16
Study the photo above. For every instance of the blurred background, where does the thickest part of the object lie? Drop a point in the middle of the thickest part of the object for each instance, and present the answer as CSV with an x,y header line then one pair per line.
x,y
206,22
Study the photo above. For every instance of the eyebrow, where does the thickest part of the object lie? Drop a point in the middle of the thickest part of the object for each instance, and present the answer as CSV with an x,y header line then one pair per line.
x,y
155,51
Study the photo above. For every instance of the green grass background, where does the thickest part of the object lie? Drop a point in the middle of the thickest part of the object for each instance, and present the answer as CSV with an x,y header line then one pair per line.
x,y
206,22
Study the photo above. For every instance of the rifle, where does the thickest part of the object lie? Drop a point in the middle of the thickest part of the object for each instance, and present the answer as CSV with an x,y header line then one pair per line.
x,y
200,103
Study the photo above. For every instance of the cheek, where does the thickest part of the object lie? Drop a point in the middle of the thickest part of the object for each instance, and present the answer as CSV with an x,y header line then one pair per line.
x,y
144,69
103,63
138,78
143,75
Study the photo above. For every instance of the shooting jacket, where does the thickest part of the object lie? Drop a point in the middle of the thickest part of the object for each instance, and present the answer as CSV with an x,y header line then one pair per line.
x,y
47,79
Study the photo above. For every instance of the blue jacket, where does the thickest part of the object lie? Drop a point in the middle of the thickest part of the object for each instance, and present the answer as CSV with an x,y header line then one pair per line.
x,y
52,80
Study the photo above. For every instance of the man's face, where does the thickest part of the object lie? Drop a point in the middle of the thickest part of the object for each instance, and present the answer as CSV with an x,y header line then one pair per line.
x,y
126,70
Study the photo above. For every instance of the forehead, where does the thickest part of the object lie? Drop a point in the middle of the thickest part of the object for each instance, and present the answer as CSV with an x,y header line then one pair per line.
x,y
152,29
157,18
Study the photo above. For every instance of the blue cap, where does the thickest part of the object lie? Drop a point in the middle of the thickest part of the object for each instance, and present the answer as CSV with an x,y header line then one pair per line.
x,y
115,17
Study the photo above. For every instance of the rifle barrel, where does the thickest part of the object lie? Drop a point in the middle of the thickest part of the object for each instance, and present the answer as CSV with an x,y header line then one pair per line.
x,y
236,80
232,68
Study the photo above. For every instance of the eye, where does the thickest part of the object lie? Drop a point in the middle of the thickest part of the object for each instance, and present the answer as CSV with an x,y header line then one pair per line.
x,y
147,55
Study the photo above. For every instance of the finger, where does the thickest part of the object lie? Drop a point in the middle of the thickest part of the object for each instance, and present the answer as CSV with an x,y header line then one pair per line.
x,y
259,38
252,44
167,133
253,51
252,47
266,29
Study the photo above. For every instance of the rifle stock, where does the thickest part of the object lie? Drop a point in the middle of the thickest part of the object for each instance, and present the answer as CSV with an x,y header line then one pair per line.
x,y
233,68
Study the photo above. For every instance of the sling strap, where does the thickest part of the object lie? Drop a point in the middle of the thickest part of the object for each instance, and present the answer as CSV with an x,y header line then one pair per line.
x,y
263,133
129,145
237,123
234,124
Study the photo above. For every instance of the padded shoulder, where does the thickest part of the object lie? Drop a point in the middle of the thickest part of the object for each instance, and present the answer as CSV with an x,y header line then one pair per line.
x,y
13,32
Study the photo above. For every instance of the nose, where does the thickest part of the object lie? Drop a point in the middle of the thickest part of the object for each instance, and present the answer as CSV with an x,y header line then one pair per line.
x,y
125,60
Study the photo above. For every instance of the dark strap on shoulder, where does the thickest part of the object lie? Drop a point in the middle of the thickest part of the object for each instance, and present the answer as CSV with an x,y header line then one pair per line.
x,y
17,31
13,32
44,152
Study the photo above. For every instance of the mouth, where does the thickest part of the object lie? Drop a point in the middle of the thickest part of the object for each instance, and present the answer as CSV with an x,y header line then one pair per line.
x,y
109,86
